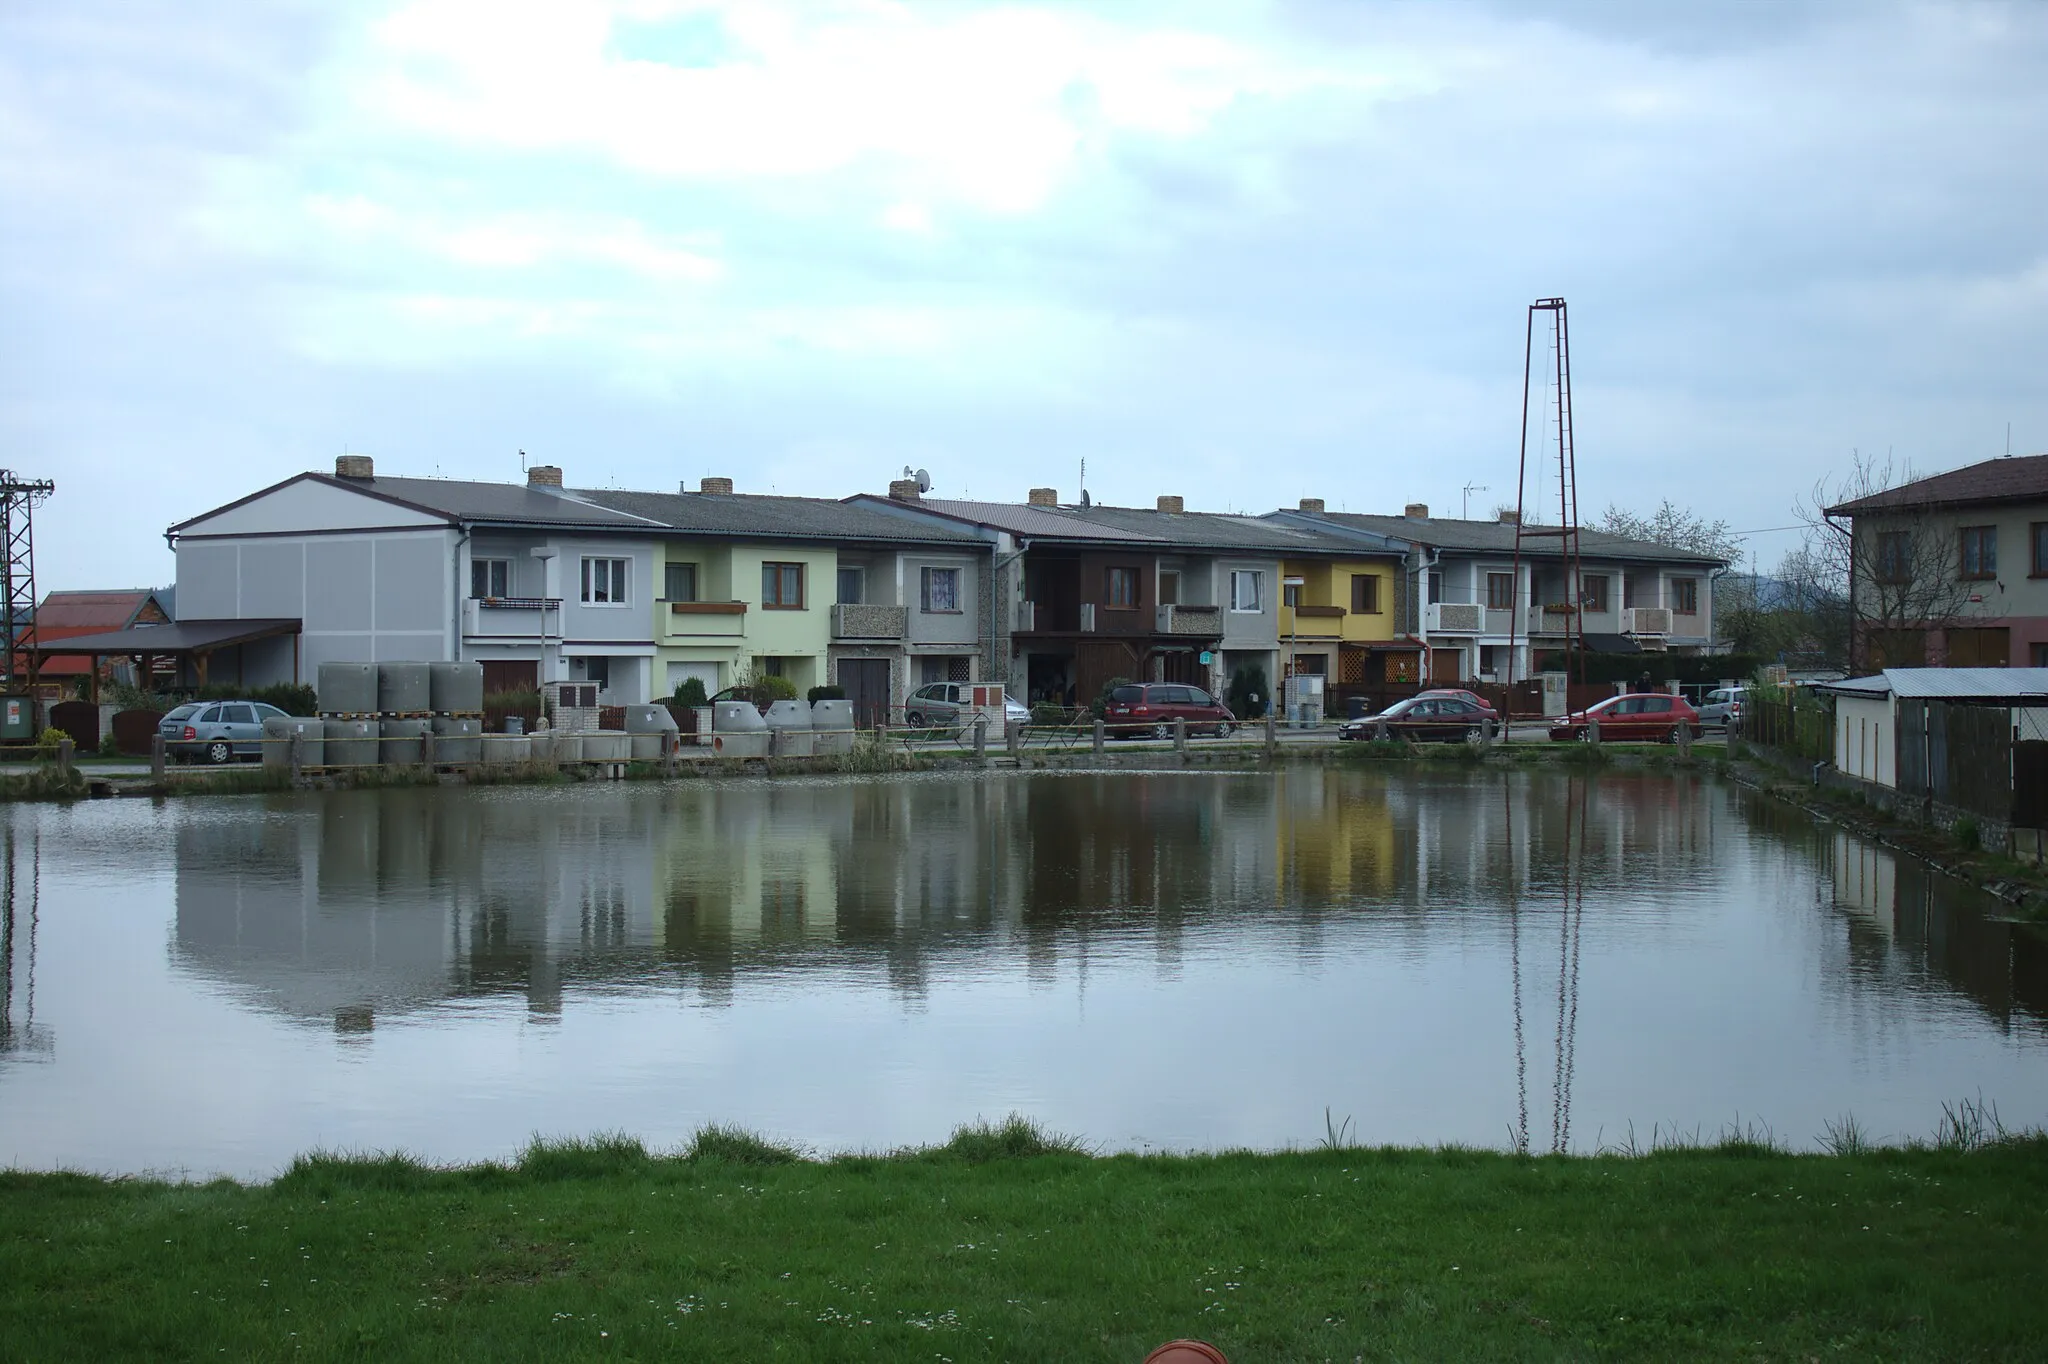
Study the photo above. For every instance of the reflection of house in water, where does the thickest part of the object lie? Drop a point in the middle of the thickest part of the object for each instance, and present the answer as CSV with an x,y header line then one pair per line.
x,y
1906,919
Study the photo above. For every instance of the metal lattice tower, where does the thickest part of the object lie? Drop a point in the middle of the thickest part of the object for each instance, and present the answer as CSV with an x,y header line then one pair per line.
x,y
18,499
1566,531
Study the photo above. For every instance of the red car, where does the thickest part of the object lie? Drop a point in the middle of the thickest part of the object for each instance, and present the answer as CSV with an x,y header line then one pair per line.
x,y
1142,708
1639,716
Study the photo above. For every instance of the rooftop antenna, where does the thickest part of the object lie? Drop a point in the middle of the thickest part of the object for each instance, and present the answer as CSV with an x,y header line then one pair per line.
x,y
1465,507
522,461
1084,480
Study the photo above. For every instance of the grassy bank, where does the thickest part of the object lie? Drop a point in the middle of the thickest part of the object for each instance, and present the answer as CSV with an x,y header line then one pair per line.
x,y
1004,1246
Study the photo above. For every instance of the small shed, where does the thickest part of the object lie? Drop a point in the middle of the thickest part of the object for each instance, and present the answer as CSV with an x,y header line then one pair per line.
x,y
1942,731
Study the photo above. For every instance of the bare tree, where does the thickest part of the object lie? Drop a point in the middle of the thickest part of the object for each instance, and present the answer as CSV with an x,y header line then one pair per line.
x,y
1892,562
1675,526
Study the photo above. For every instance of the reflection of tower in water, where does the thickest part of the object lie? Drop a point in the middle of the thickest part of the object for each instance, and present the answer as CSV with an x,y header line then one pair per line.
x,y
19,1031
1571,900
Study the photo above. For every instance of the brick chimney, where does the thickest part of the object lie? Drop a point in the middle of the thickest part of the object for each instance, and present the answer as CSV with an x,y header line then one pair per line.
x,y
1171,504
904,490
1044,497
1312,505
1510,518
715,487
544,476
354,466
1416,511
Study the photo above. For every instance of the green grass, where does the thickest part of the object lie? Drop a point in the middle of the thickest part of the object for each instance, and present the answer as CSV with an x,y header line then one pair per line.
x,y
1007,1243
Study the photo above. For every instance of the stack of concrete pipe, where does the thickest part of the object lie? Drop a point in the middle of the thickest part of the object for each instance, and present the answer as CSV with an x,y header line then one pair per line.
x,y
831,727
375,713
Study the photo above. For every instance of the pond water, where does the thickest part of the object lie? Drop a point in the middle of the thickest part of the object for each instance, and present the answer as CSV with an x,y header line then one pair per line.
x,y
1150,960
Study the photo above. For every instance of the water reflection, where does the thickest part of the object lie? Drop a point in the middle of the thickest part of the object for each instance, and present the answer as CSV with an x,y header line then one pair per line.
x,y
21,875
1175,958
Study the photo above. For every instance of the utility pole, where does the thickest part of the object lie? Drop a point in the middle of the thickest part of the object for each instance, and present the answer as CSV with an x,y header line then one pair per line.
x,y
18,499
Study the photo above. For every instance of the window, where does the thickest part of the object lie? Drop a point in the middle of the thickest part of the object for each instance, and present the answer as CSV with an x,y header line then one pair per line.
x,y
853,586
1685,596
604,581
679,582
782,587
941,590
1500,591
1244,590
1365,594
1980,551
1169,587
1628,590
2040,538
1436,587
490,577
2040,652
1894,556
1123,588
1593,592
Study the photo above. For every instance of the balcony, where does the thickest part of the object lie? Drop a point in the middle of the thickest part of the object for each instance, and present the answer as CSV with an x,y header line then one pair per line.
x,y
1027,617
1454,618
1554,619
857,620
1204,622
1318,621
1646,620
688,620
513,617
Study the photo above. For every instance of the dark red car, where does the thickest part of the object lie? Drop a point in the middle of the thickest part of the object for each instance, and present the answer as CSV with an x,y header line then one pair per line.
x,y
1637,717
1470,698
1138,709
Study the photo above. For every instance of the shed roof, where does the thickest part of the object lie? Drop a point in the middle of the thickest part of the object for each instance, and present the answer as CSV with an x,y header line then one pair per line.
x,y
1948,684
76,612
2018,478
182,637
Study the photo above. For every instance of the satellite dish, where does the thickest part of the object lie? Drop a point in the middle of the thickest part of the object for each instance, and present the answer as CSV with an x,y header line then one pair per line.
x,y
924,481
1086,502
909,472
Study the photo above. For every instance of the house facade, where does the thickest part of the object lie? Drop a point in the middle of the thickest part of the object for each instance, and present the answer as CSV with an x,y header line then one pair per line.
x,y
1952,570
1480,616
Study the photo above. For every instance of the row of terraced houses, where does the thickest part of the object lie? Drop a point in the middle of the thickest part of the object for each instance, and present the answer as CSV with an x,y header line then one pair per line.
x,y
880,594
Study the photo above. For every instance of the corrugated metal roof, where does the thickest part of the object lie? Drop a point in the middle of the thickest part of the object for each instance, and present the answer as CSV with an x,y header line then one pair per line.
x,y
1950,684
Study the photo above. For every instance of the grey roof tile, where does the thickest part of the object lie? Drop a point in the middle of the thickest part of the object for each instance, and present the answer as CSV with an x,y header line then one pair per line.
x,y
782,518
2020,478
1493,537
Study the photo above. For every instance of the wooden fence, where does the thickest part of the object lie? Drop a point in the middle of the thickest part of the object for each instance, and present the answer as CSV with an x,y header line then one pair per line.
x,y
1803,731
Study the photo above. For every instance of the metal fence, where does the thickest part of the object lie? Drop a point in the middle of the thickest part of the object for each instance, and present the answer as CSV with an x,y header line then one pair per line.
x,y
1803,731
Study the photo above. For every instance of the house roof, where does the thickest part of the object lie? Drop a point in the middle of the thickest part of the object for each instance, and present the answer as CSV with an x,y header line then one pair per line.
x,y
1442,532
453,499
1033,523
74,613
786,518
1222,530
1948,684
2019,478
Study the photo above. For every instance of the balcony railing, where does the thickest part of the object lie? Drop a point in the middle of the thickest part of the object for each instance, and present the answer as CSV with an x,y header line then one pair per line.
x,y
516,616
1646,620
1553,619
702,619
1454,618
1027,616
859,620
1190,620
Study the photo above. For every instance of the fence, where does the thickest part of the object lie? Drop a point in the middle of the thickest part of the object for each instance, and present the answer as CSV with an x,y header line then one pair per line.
x,y
1803,731
1964,756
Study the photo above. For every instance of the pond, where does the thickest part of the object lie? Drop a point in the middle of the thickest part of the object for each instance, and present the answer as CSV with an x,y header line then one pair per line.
x,y
1150,960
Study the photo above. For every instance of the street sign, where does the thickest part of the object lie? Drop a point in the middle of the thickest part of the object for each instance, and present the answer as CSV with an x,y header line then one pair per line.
x,y
1208,657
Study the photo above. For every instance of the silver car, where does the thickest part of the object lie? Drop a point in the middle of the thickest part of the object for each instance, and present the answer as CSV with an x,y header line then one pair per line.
x,y
941,705
1721,707
218,731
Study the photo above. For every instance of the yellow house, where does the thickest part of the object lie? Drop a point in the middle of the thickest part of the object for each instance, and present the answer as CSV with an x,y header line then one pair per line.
x,y
728,610
1334,612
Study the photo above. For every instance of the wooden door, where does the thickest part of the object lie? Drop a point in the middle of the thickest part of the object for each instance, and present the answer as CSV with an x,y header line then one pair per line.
x,y
511,674
866,683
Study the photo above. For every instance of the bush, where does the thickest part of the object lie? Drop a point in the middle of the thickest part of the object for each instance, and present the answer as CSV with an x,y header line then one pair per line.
x,y
522,702
293,698
1247,682
1100,706
826,693
765,690
108,748
1966,832
690,692
1051,713
47,741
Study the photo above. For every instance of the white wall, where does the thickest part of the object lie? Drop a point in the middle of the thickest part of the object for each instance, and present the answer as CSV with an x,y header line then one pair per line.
x,y
1865,739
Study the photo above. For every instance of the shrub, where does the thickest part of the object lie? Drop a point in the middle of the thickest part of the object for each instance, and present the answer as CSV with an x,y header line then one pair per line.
x,y
1247,682
769,688
1050,713
690,692
1966,832
47,741
108,748
825,693
522,702
1100,706
293,698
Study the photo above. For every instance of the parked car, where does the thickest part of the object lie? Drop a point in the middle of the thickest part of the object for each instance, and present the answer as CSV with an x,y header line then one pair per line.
x,y
941,705
1141,708
1721,707
1459,693
1639,716
219,731
1430,715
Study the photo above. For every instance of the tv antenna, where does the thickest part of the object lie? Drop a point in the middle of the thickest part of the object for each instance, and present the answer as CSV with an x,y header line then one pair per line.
x,y
1465,507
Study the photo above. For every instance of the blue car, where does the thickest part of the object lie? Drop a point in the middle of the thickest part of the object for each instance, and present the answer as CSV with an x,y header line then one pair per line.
x,y
218,731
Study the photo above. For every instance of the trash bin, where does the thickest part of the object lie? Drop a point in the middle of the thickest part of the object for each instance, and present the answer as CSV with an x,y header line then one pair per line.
x,y
1354,708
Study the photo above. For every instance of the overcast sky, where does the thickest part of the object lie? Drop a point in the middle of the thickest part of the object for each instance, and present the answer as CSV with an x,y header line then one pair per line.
x,y
1239,252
